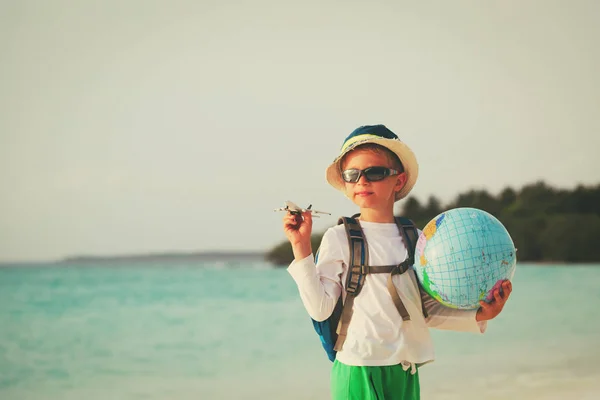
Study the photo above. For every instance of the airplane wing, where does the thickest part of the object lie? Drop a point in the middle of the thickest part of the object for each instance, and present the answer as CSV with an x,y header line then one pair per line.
x,y
320,212
294,209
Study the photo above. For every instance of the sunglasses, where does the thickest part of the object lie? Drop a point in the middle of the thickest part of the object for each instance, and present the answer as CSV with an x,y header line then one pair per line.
x,y
372,174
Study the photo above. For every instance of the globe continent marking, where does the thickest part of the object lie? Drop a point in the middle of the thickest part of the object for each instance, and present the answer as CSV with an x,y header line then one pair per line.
x,y
462,256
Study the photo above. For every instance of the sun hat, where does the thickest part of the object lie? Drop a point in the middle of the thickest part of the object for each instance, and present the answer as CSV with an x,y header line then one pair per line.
x,y
381,135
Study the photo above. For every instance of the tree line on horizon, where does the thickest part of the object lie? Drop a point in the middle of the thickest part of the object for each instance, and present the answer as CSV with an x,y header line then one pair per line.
x,y
546,224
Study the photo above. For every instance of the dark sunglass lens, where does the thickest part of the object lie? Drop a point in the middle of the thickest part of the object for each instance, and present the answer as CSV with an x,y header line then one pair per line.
x,y
376,173
351,175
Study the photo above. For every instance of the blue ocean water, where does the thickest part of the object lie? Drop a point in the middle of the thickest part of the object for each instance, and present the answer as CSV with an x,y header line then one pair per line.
x,y
213,331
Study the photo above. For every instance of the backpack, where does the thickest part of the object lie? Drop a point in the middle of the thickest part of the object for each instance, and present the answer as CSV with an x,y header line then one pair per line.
x,y
333,330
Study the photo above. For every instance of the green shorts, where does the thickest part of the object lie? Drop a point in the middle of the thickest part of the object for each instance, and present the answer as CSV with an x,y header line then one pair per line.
x,y
373,383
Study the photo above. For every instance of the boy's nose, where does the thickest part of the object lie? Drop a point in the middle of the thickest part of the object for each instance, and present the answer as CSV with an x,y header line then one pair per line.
x,y
363,180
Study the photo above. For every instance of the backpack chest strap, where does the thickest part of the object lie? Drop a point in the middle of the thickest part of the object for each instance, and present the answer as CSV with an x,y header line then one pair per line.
x,y
368,269
391,270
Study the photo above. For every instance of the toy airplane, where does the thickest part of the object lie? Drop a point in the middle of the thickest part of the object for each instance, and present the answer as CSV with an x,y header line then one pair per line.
x,y
294,209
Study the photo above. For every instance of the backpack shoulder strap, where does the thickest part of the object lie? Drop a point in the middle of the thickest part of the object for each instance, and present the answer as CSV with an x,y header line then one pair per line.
x,y
359,254
358,260
410,235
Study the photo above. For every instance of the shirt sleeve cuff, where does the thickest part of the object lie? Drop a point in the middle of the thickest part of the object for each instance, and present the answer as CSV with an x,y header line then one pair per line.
x,y
480,326
300,269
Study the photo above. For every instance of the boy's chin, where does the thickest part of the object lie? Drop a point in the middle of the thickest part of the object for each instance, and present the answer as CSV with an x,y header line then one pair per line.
x,y
368,202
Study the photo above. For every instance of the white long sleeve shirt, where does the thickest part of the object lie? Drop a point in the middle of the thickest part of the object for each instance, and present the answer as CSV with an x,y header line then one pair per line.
x,y
376,335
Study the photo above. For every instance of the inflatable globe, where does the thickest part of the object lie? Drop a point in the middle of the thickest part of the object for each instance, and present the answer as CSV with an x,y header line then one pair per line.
x,y
462,256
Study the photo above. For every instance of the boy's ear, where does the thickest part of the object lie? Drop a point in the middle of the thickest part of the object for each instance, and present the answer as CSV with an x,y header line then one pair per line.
x,y
401,181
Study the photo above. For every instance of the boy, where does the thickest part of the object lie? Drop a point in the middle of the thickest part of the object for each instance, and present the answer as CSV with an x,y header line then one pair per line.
x,y
381,352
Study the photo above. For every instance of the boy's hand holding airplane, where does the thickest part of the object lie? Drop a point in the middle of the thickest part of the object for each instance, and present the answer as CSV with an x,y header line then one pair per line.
x,y
297,225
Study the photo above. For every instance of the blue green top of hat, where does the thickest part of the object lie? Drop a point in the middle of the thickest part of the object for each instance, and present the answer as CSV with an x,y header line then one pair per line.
x,y
378,130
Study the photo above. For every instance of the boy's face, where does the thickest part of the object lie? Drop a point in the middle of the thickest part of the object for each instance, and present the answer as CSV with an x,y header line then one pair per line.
x,y
378,195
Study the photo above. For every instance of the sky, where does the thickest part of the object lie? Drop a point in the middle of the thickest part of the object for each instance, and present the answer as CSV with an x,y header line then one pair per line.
x,y
153,126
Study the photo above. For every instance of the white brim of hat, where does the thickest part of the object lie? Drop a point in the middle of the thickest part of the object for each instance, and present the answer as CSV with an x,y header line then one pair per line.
x,y
404,153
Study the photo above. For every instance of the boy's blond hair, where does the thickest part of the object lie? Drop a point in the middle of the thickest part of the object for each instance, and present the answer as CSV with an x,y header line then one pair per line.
x,y
377,149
